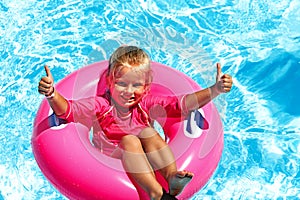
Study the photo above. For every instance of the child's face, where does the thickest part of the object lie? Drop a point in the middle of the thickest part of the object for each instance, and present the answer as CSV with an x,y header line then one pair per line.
x,y
128,88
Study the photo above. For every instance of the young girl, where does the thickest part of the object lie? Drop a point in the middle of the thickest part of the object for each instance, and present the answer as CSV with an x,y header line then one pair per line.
x,y
124,116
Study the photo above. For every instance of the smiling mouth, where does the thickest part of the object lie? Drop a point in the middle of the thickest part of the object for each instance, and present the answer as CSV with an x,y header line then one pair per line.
x,y
130,100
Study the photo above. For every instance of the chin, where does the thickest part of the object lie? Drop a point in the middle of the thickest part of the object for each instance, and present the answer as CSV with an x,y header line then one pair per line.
x,y
125,104
129,105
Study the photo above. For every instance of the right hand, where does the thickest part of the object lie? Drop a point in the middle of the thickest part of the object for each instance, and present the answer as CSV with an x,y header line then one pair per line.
x,y
46,83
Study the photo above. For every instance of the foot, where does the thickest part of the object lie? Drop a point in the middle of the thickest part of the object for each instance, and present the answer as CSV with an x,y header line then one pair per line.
x,y
167,196
179,181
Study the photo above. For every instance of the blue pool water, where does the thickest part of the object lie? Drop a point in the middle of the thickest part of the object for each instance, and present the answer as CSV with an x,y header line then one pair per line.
x,y
257,42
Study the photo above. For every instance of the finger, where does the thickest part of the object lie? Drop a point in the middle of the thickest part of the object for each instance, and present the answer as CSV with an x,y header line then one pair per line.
x,y
42,92
227,87
226,78
44,88
219,72
46,81
48,72
226,82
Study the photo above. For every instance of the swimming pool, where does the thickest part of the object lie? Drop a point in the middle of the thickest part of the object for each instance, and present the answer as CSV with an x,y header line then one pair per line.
x,y
258,43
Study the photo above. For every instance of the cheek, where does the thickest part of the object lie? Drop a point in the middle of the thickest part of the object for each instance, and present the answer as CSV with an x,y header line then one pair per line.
x,y
116,89
140,92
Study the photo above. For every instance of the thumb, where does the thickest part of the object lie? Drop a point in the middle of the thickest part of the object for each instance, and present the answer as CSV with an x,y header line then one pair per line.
x,y
48,72
219,72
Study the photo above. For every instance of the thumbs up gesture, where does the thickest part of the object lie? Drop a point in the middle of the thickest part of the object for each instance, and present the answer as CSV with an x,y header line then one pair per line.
x,y
46,83
223,82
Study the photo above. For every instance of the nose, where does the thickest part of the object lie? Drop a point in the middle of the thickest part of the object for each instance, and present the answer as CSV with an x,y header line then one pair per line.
x,y
129,89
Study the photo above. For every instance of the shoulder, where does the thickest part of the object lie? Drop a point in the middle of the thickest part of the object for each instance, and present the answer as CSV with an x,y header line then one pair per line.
x,y
160,99
101,102
151,100
93,102
91,99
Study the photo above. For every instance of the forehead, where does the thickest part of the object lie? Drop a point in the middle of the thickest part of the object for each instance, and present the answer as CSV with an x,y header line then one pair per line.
x,y
132,72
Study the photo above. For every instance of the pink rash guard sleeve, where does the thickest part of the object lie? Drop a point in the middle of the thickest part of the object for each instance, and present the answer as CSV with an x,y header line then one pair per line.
x,y
85,110
165,106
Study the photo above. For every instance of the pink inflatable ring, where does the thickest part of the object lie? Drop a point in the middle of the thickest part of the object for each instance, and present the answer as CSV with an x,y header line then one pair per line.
x,y
78,170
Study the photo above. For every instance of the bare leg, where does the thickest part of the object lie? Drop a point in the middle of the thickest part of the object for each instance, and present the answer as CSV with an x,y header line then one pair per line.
x,y
138,168
161,158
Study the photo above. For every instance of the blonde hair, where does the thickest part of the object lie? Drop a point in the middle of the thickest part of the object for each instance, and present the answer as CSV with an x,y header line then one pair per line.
x,y
131,57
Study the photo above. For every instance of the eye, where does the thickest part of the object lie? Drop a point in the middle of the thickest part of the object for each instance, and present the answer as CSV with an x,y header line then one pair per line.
x,y
138,85
121,83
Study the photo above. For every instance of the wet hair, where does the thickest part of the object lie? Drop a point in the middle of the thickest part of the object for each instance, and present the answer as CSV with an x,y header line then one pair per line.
x,y
131,57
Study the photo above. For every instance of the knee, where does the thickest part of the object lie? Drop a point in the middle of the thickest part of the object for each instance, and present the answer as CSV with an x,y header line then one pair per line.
x,y
147,133
130,142
156,193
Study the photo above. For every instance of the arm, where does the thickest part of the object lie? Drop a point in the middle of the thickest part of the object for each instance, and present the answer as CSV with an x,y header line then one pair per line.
x,y
200,98
57,102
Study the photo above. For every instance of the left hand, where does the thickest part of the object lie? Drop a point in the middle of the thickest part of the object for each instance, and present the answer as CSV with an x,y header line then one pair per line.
x,y
223,82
